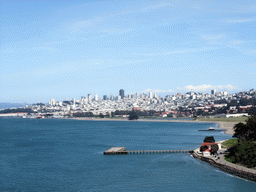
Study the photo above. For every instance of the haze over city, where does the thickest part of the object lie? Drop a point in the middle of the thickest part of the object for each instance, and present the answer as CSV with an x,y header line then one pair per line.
x,y
68,49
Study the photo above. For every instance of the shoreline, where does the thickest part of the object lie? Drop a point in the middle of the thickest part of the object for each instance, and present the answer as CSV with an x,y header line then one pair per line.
x,y
222,164
226,126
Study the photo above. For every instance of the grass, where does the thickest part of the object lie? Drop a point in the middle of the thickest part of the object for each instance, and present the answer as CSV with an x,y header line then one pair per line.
x,y
224,119
229,142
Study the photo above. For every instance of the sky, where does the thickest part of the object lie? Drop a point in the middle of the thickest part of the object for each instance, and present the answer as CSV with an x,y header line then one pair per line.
x,y
68,49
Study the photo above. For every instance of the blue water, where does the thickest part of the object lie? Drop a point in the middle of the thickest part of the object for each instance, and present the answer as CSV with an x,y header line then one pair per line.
x,y
67,155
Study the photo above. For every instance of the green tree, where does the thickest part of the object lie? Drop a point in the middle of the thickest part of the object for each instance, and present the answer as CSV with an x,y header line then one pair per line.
x,y
214,149
246,132
101,115
209,139
244,153
133,116
203,148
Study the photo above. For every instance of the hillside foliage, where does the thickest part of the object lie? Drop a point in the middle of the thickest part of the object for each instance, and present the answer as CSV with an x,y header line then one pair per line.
x,y
244,152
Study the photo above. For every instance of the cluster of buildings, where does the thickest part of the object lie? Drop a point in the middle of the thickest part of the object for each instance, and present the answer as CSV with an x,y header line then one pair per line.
x,y
179,105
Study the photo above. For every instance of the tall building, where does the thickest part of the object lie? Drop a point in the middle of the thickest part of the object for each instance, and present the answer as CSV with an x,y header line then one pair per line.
x,y
89,97
111,97
213,92
52,102
96,97
150,95
121,93
105,97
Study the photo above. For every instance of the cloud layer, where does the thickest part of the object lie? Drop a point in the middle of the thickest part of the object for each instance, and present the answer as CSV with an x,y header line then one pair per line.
x,y
199,88
205,87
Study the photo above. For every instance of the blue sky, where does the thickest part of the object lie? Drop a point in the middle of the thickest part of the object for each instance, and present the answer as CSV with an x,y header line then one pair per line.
x,y
68,49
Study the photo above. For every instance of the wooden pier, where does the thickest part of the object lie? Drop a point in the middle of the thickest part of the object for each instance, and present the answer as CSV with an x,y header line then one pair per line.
x,y
123,151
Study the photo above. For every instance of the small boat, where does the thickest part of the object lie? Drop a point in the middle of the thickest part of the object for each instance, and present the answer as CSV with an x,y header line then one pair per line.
x,y
211,129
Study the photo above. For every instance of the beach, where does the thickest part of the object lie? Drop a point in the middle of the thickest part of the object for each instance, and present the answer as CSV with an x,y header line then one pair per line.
x,y
226,126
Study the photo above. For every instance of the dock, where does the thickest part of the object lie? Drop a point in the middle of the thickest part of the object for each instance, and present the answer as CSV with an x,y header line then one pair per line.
x,y
123,151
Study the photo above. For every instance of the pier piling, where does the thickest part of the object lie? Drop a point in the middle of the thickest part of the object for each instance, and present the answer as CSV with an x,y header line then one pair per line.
x,y
122,150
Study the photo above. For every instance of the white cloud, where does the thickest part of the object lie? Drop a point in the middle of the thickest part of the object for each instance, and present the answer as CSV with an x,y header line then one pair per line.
x,y
212,39
240,20
205,87
237,42
158,91
175,52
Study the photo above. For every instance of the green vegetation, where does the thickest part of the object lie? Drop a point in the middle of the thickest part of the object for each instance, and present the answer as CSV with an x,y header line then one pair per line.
x,y
214,149
229,142
133,116
203,148
244,150
101,115
224,119
209,139
243,153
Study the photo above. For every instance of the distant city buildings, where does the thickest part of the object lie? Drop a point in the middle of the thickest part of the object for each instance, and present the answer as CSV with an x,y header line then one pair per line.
x,y
89,97
150,95
179,105
121,93
105,97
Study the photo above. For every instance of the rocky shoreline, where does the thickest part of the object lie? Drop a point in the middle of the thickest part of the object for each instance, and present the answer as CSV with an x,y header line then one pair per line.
x,y
240,172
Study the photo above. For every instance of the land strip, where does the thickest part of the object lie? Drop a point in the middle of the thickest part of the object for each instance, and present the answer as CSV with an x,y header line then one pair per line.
x,y
226,126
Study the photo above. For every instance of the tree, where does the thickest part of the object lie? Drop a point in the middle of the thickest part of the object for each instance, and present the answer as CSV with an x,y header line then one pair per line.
x,y
244,153
246,132
214,149
209,139
133,116
203,148
101,115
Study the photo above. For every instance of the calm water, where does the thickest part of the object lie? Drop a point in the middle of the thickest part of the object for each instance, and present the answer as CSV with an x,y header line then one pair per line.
x,y
67,155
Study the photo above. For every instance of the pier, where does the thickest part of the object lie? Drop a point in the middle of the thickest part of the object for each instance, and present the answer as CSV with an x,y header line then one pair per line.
x,y
123,151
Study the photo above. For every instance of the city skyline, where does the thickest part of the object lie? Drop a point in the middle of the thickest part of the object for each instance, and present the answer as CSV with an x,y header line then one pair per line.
x,y
150,95
67,49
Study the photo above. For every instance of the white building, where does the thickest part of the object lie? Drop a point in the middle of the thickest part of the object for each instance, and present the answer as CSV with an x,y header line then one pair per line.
x,y
96,97
150,95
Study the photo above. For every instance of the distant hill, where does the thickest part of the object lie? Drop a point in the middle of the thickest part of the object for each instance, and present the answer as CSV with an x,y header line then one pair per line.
x,y
10,105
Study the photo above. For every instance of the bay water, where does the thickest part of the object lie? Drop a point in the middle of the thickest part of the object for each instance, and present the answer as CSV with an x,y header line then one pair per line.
x,y
67,155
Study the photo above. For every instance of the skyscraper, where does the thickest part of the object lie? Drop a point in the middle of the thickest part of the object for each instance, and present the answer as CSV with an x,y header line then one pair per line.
x,y
89,97
96,97
150,95
121,93
105,97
